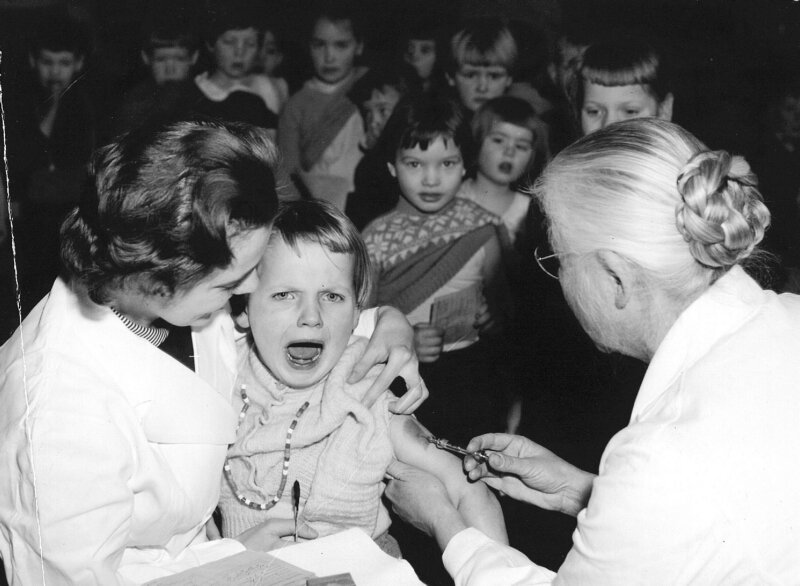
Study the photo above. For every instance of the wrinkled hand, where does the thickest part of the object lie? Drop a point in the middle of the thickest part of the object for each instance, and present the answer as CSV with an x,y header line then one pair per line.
x,y
428,342
267,535
530,473
392,344
422,500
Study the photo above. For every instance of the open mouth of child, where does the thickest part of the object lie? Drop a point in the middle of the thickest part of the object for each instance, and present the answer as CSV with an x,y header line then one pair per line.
x,y
304,355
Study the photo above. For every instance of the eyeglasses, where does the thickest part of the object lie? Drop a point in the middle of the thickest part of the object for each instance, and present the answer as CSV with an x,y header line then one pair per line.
x,y
549,263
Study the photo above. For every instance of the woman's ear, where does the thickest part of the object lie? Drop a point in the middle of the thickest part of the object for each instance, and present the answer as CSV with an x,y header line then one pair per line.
x,y
392,170
622,272
665,107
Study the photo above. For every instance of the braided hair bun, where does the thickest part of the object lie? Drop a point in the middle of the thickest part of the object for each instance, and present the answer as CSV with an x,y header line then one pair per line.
x,y
721,214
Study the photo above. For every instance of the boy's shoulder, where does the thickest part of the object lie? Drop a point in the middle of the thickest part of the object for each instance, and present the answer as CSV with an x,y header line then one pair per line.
x,y
469,212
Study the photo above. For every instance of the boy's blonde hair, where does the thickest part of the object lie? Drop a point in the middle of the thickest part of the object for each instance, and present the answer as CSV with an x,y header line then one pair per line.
x,y
321,223
483,42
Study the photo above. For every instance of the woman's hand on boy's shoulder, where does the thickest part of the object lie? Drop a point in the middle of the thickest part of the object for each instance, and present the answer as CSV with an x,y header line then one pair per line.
x,y
392,345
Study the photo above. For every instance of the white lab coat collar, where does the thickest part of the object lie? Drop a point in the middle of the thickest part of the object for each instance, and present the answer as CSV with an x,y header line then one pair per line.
x,y
175,405
723,308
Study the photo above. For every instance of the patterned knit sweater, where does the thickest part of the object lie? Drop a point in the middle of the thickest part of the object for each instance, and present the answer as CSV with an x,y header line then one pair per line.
x,y
340,451
414,255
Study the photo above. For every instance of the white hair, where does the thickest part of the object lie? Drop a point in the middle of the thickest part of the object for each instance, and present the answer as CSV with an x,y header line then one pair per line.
x,y
650,191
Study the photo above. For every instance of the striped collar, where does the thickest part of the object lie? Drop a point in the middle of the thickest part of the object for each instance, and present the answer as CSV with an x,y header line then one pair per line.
x,y
155,336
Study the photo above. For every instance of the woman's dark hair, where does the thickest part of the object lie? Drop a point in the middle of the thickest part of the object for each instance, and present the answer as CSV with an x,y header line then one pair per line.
x,y
420,120
163,204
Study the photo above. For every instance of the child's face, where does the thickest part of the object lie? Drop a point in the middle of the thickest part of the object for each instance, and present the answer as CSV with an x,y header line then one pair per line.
x,y
170,63
377,111
789,113
604,105
334,49
303,311
505,153
56,69
429,179
477,84
421,55
235,52
271,56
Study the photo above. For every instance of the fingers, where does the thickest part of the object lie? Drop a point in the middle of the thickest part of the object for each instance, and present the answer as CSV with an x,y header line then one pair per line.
x,y
411,400
399,360
490,441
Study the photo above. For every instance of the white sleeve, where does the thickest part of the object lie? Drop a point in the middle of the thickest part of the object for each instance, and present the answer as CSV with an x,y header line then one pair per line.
x,y
366,322
646,518
473,559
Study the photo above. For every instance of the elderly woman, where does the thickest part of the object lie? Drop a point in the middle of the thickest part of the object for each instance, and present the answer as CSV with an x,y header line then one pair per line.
x,y
115,400
651,230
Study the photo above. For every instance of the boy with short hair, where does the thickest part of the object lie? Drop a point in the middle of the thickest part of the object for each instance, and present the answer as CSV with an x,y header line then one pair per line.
x,y
376,94
320,130
169,51
483,54
51,135
230,90
431,245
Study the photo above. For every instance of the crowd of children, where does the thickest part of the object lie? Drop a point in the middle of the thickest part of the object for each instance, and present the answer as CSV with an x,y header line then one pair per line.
x,y
429,152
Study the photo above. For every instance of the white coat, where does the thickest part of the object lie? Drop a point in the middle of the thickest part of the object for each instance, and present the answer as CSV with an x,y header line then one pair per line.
x,y
702,486
116,447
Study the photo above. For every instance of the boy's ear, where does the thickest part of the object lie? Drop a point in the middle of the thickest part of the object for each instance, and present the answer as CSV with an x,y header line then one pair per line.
x,y
392,170
450,80
145,57
359,48
665,107
32,60
195,55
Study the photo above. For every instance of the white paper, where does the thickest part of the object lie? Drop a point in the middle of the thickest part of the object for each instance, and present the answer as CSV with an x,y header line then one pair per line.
x,y
350,551
455,314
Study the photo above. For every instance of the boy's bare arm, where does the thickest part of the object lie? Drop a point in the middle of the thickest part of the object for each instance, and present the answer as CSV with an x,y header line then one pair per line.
x,y
475,502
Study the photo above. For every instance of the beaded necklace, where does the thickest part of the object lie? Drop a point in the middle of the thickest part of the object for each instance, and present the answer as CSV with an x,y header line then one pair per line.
x,y
286,455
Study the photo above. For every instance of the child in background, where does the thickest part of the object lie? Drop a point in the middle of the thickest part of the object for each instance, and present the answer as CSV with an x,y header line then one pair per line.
x,y
505,131
376,93
320,131
233,38
170,51
619,81
421,56
270,59
483,54
52,132
300,419
433,244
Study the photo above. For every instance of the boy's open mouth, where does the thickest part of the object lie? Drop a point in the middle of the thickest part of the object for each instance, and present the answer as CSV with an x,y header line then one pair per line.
x,y
304,354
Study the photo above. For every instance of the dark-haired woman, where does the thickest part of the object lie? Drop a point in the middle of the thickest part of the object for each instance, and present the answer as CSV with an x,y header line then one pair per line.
x,y
114,432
